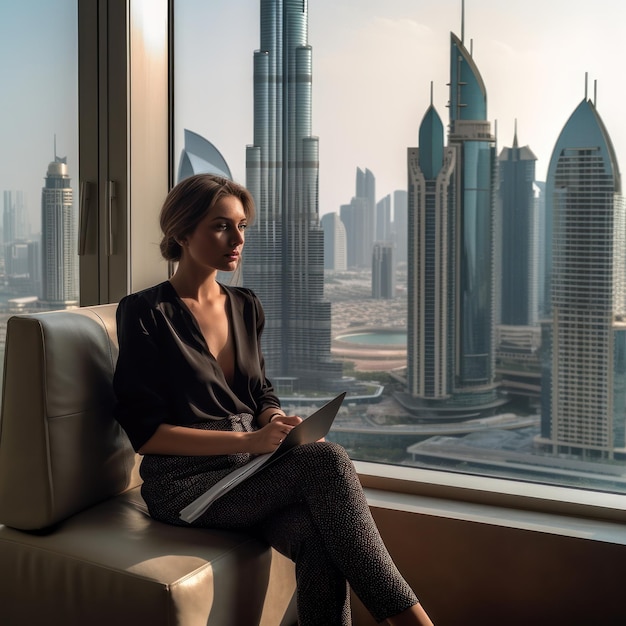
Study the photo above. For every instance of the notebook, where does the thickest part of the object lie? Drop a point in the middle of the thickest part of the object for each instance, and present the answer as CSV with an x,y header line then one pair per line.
x,y
311,429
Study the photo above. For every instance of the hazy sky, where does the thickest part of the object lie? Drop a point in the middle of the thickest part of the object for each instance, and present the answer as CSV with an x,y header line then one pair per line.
x,y
373,61
38,94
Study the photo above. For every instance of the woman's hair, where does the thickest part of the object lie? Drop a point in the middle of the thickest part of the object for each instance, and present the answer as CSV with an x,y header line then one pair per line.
x,y
188,203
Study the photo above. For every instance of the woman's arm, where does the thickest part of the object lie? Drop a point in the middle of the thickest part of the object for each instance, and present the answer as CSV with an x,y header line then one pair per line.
x,y
184,441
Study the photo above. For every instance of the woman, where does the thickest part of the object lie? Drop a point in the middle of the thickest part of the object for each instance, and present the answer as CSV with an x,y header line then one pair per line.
x,y
194,400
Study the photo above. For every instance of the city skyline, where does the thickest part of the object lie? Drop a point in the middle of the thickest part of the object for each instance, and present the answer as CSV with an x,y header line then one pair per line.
x,y
372,83
292,252
40,106
535,69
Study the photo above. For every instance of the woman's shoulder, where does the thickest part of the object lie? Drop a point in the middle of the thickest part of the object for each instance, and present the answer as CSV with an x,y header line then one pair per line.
x,y
246,301
241,293
149,298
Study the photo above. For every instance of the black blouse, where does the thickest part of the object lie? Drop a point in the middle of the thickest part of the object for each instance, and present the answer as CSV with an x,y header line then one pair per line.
x,y
165,372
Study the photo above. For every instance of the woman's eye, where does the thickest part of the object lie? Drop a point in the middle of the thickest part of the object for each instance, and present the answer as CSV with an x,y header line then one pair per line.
x,y
243,226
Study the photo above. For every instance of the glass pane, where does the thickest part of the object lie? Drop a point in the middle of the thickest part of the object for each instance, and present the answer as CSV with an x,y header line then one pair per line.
x,y
440,225
39,173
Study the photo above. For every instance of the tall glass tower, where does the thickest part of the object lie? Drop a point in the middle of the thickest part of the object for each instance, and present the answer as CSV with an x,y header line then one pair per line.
x,y
431,276
14,220
451,250
335,250
284,254
518,250
58,238
470,133
366,191
584,393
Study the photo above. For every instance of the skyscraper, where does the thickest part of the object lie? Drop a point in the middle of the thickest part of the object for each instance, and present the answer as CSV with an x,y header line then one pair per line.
x,y
584,391
335,253
284,256
431,273
354,218
400,224
451,208
14,222
470,133
58,238
383,271
383,219
359,218
366,189
518,336
518,224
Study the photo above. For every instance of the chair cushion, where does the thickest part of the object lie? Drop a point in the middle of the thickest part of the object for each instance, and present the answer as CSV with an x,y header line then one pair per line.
x,y
113,565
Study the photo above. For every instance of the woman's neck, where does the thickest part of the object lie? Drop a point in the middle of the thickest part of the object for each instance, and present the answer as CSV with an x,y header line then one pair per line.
x,y
202,288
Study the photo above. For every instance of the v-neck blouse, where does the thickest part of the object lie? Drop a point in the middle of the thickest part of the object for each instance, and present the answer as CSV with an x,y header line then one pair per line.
x,y
165,372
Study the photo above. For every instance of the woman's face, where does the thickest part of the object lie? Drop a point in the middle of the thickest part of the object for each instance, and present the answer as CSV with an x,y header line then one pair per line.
x,y
217,241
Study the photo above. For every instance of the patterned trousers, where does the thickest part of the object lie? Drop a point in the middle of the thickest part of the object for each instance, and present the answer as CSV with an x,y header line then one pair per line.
x,y
310,506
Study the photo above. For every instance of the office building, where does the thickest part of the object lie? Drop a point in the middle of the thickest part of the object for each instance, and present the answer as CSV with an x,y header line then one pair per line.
x,y
431,276
14,220
383,219
451,254
335,252
355,221
359,219
475,179
539,191
22,267
584,341
518,226
284,258
366,191
518,336
400,224
383,271
58,239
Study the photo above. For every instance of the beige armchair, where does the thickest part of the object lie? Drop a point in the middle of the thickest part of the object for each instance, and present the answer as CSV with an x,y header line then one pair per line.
x,y
77,546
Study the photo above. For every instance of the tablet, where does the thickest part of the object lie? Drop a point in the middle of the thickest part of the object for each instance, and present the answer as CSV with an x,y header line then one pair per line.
x,y
313,427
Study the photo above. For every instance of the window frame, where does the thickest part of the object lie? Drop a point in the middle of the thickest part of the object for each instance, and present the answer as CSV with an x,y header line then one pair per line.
x,y
124,145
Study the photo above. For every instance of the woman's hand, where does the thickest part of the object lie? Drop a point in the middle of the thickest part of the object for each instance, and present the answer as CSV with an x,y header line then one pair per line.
x,y
270,436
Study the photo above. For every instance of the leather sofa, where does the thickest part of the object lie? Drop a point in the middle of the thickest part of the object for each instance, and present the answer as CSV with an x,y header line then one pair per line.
x,y
76,545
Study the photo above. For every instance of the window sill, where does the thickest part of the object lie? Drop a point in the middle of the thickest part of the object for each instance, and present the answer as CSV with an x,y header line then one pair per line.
x,y
543,508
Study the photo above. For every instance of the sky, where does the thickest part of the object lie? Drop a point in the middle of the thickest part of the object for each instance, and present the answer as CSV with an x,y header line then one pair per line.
x,y
38,95
373,63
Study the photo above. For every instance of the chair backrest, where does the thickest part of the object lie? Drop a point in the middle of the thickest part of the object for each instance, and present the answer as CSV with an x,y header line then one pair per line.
x,y
61,449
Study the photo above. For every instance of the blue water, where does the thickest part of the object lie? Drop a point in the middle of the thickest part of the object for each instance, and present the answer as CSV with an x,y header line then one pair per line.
x,y
389,339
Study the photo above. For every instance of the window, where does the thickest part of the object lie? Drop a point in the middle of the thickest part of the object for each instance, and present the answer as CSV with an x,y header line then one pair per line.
x,y
39,175
73,138
339,108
